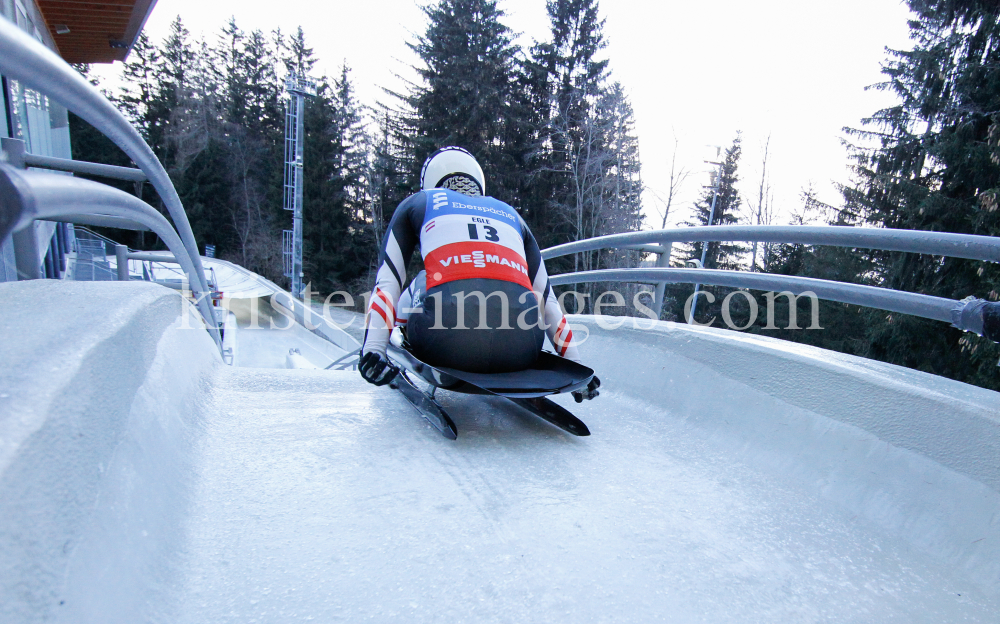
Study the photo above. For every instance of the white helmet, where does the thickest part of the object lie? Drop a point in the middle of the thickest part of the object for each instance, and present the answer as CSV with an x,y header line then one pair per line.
x,y
453,168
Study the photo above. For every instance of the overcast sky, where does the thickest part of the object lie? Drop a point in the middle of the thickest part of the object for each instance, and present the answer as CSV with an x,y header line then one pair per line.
x,y
794,70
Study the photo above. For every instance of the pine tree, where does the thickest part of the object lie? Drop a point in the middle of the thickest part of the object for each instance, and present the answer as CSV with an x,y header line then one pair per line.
x,y
351,134
337,239
721,255
790,259
214,115
577,38
606,179
252,126
575,72
623,178
566,78
175,62
223,142
244,66
388,174
91,145
470,94
138,93
296,56
616,203
932,163
252,140
585,178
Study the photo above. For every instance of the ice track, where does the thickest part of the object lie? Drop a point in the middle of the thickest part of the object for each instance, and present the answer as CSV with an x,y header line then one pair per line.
x,y
343,505
713,488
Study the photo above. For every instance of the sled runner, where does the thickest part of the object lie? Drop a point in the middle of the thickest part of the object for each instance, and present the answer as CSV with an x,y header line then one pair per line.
x,y
551,374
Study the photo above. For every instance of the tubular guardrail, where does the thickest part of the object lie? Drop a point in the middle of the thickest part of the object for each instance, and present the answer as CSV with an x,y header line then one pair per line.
x,y
85,232
129,174
925,306
29,195
32,64
151,256
35,66
20,158
969,314
101,221
967,246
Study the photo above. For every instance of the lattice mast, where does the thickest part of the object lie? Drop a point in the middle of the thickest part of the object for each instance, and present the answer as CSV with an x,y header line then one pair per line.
x,y
298,88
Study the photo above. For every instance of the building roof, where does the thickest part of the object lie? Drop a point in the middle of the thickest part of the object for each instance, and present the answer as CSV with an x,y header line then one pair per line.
x,y
95,31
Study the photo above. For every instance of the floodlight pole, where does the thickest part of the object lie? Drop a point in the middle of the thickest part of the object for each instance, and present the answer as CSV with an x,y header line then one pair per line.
x,y
298,88
704,245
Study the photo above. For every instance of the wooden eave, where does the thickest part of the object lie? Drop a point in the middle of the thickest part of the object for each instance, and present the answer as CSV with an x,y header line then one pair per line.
x,y
100,31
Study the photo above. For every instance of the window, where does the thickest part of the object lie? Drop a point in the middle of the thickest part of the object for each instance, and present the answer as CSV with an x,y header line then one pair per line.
x,y
21,19
4,114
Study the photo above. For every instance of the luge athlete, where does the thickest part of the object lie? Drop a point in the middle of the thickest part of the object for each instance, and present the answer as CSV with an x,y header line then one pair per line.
x,y
475,306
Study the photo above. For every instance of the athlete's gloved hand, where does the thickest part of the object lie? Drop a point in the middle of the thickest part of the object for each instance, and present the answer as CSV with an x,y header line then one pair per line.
x,y
590,392
376,368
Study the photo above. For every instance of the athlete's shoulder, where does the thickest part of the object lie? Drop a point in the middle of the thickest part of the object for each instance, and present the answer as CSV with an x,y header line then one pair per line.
x,y
409,213
417,200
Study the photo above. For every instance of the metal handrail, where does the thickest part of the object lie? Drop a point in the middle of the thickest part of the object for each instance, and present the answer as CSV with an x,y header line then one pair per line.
x,y
92,234
41,69
151,256
130,174
29,195
968,246
969,314
101,221
351,354
925,306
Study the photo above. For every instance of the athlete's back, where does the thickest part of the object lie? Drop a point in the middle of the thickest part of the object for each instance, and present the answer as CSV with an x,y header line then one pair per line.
x,y
483,302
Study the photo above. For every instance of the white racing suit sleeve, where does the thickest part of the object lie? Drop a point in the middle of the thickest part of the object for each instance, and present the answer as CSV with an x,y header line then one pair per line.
x,y
556,326
380,317
551,315
397,247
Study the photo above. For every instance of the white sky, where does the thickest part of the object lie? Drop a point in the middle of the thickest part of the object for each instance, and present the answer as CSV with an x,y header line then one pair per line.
x,y
698,71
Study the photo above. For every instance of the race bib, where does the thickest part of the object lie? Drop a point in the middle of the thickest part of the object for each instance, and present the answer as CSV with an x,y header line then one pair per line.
x,y
468,237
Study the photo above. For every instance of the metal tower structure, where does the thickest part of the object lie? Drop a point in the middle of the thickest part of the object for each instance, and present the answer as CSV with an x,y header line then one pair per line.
x,y
716,181
298,88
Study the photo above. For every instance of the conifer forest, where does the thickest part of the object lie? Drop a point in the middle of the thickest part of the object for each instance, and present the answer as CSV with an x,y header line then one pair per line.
x,y
555,134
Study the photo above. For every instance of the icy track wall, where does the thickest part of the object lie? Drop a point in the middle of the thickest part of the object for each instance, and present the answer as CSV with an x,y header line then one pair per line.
x,y
915,453
99,418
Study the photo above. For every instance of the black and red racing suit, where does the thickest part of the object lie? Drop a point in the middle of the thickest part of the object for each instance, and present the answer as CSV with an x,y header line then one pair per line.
x,y
487,291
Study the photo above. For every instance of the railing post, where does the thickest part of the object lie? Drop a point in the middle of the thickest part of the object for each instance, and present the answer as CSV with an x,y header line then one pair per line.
x,y
662,261
14,150
121,253
29,267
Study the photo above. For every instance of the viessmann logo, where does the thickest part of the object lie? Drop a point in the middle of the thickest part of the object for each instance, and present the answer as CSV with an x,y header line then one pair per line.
x,y
479,260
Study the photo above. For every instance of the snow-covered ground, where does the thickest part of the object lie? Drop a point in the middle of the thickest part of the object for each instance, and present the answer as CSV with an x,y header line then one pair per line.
x,y
727,478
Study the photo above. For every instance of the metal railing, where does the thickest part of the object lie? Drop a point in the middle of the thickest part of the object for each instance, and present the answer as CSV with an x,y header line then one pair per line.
x,y
967,314
91,263
932,243
154,262
31,195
